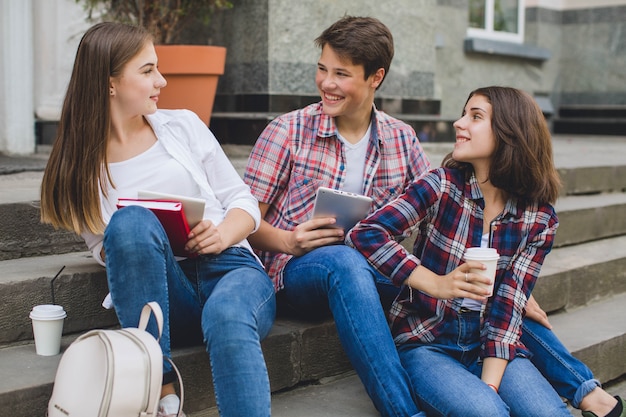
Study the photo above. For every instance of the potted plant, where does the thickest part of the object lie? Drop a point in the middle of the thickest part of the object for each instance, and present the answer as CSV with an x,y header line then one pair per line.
x,y
191,71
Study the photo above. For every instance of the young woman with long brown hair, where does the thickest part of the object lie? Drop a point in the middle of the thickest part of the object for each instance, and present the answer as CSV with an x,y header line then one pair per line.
x,y
112,142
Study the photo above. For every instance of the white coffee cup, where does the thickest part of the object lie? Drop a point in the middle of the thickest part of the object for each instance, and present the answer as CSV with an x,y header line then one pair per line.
x,y
48,328
489,257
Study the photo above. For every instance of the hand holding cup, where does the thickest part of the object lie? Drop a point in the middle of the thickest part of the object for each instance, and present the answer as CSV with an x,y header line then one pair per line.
x,y
487,256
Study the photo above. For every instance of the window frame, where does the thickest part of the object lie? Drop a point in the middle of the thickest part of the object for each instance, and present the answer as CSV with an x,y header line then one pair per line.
x,y
489,33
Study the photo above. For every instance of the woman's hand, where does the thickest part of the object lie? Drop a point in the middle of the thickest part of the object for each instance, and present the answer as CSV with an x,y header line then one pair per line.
x,y
205,239
312,234
534,312
460,283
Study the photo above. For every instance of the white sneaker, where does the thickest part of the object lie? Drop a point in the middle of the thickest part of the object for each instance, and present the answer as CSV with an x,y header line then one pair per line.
x,y
168,406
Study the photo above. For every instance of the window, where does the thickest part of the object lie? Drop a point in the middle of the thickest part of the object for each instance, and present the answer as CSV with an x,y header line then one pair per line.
x,y
497,19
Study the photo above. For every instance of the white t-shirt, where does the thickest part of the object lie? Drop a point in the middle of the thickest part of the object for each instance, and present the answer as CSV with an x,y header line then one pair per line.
x,y
355,162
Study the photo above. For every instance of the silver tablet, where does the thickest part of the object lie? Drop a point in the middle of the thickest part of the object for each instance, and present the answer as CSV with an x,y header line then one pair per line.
x,y
347,208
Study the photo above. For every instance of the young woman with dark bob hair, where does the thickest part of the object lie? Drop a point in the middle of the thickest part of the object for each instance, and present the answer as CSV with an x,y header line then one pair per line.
x,y
496,189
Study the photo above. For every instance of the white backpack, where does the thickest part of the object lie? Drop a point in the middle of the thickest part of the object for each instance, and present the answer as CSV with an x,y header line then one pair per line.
x,y
112,373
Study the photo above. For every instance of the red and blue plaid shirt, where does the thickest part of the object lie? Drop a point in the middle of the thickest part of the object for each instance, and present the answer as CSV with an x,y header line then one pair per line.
x,y
446,213
299,152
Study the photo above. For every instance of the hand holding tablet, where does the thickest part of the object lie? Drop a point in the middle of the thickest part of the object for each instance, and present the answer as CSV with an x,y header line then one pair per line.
x,y
347,208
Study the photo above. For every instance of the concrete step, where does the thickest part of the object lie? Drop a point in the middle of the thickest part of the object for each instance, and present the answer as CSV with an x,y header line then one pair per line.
x,y
299,353
572,276
345,396
580,329
589,125
295,352
593,179
583,217
578,275
591,119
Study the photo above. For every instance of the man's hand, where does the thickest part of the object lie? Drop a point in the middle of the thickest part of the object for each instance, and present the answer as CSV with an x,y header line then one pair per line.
x,y
534,312
312,234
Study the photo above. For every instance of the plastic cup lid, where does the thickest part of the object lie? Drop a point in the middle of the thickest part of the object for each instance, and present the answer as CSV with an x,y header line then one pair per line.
x,y
481,253
48,312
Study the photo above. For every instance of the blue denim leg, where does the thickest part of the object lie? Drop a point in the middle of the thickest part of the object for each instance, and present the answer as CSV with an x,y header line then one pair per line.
x,y
227,299
445,373
386,290
239,310
339,278
571,378
446,377
528,393
141,268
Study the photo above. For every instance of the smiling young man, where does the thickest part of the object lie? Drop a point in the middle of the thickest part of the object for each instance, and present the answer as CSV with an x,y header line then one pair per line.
x,y
343,142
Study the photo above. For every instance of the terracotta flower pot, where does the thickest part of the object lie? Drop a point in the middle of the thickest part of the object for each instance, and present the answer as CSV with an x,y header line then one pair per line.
x,y
192,72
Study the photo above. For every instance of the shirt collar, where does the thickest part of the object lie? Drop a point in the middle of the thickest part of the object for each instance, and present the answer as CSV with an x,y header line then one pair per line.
x,y
328,128
512,207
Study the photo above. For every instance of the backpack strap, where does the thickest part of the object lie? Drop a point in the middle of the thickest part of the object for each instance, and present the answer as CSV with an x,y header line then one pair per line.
x,y
145,316
180,385
154,307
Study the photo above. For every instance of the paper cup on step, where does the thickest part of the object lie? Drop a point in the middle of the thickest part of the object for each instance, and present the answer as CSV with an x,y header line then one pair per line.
x,y
48,328
489,257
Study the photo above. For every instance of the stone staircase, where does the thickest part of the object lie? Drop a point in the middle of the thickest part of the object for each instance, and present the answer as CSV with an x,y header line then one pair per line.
x,y
597,119
582,285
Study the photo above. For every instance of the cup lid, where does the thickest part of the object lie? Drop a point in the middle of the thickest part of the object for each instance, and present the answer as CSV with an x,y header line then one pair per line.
x,y
481,253
48,312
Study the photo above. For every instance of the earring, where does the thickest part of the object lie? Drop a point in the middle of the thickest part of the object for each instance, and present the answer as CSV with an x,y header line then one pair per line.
x,y
111,91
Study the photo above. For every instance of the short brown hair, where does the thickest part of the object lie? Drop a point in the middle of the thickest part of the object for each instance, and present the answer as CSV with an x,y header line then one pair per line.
x,y
522,163
364,41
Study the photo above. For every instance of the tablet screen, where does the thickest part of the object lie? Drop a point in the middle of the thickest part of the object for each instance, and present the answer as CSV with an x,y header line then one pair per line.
x,y
347,208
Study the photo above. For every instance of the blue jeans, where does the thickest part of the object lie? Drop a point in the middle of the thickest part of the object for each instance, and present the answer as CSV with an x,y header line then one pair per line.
x,y
340,279
571,378
227,300
446,377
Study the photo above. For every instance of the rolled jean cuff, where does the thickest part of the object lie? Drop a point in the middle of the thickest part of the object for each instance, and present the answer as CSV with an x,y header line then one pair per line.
x,y
584,389
169,377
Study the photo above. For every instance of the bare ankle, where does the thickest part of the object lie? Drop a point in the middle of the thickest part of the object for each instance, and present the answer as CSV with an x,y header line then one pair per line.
x,y
599,402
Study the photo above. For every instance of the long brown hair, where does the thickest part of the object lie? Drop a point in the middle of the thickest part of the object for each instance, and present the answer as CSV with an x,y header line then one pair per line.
x,y
77,166
522,163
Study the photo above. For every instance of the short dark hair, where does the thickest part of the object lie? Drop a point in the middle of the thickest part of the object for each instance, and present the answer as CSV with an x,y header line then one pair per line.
x,y
364,41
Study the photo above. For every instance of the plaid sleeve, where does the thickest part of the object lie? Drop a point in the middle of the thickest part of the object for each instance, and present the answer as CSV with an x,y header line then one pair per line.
x,y
268,168
375,236
504,321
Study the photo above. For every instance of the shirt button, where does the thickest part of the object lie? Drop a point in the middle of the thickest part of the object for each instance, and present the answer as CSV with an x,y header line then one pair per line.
x,y
341,167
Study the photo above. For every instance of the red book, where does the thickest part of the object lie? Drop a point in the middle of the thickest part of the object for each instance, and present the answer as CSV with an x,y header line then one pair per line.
x,y
172,216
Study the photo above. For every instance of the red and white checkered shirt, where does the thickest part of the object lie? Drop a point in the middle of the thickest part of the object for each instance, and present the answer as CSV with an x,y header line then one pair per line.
x,y
299,152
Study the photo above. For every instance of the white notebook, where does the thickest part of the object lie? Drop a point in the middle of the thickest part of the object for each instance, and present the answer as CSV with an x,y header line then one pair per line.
x,y
193,207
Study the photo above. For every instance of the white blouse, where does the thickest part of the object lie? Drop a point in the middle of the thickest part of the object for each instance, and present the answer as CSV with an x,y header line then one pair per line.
x,y
195,166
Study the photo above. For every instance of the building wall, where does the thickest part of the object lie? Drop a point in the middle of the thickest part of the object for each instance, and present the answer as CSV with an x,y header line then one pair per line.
x,y
278,56
459,72
271,56
593,62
